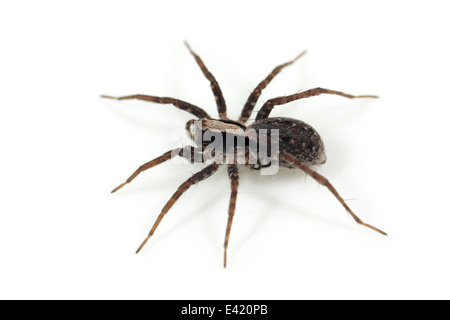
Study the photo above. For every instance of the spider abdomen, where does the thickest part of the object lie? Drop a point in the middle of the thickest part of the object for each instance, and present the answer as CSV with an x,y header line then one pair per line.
x,y
296,138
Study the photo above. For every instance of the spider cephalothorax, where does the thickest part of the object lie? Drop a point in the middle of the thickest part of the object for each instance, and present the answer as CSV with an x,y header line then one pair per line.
x,y
298,145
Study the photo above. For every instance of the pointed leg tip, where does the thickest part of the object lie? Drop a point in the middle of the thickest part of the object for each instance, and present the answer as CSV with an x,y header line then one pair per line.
x,y
368,96
187,45
380,231
376,229
300,55
118,187
225,259
140,248
142,244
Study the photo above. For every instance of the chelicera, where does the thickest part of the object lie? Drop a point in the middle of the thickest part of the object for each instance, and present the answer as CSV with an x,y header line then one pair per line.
x,y
299,145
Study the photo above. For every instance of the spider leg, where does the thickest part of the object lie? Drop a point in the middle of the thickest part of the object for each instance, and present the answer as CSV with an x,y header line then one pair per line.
x,y
197,177
251,101
268,106
324,181
191,151
196,111
233,173
220,101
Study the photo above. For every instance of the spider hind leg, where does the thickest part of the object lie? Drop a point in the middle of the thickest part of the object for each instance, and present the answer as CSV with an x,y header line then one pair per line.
x,y
324,181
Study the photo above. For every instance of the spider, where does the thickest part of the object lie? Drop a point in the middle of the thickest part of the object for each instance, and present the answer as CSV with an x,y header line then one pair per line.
x,y
300,146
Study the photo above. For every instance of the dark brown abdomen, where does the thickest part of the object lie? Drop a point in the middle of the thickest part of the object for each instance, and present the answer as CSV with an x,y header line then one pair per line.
x,y
295,137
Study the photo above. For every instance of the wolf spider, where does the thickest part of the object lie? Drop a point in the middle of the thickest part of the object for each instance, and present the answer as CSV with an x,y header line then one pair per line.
x,y
300,146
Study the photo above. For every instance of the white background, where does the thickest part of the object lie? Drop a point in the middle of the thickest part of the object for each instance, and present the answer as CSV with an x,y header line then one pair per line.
x,y
63,235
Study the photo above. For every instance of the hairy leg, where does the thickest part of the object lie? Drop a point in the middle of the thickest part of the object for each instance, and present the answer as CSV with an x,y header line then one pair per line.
x,y
196,111
323,181
233,173
191,151
265,110
251,101
197,177
220,101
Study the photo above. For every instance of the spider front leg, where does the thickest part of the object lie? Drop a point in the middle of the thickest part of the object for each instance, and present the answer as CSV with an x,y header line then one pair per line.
x,y
324,181
233,173
265,110
182,152
220,101
180,104
197,177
